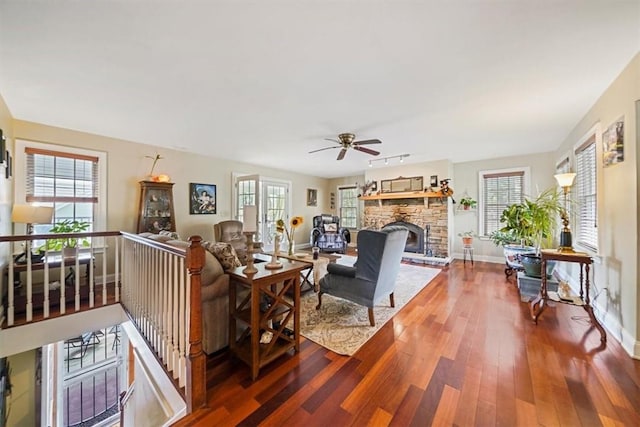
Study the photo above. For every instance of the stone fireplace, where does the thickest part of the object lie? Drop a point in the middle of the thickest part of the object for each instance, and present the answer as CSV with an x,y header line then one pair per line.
x,y
426,218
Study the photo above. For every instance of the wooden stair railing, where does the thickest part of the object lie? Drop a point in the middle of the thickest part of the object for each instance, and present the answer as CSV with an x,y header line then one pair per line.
x,y
158,285
161,292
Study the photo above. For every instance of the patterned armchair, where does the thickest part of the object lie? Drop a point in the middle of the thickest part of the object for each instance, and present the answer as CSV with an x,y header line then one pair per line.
x,y
328,235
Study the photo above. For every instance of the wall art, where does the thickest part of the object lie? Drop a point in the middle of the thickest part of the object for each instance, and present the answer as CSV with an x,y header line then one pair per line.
x,y
202,199
613,143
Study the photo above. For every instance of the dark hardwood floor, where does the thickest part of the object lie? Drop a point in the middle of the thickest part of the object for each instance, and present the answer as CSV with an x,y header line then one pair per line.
x,y
463,352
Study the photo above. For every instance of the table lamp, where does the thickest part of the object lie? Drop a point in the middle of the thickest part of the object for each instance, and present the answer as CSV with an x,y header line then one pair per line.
x,y
565,180
249,227
28,214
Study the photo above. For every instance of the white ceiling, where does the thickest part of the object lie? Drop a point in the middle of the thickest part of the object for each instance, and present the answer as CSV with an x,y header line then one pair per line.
x,y
266,81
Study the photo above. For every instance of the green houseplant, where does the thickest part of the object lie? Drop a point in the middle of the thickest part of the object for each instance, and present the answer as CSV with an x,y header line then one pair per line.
x,y
67,226
467,203
532,224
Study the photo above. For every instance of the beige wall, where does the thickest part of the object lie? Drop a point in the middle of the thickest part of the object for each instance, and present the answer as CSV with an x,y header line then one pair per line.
x,y
127,165
22,402
465,177
618,192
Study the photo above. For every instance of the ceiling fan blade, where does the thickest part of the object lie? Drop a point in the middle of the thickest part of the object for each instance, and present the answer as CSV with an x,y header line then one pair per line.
x,y
366,150
367,141
322,149
341,154
333,140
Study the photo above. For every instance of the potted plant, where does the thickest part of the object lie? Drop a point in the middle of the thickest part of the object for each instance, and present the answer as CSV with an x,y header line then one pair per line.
x,y
467,237
467,203
532,223
71,243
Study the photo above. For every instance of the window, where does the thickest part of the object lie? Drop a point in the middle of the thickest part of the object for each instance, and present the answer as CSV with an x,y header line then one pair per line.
x,y
65,178
586,195
499,189
348,206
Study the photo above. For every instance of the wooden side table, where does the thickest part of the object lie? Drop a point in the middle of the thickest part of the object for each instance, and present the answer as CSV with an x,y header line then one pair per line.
x,y
585,261
271,285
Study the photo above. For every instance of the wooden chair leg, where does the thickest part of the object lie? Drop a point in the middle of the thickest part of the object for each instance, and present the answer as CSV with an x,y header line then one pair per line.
x,y
391,300
372,321
319,301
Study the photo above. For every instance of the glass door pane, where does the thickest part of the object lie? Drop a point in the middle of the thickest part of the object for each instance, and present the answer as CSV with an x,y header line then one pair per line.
x,y
275,196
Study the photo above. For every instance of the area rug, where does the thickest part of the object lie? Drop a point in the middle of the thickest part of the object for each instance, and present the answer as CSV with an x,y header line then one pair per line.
x,y
342,326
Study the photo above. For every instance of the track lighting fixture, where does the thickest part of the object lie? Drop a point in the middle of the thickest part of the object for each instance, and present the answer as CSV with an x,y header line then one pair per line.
x,y
386,159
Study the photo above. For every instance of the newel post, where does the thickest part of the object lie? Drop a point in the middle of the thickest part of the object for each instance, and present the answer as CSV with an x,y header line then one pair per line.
x,y
196,389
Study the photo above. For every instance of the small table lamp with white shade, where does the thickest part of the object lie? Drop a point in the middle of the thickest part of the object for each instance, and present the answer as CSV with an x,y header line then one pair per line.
x,y
28,214
565,180
249,227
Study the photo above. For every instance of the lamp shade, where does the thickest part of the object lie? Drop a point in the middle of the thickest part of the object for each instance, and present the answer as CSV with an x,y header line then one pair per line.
x,y
565,179
28,214
250,218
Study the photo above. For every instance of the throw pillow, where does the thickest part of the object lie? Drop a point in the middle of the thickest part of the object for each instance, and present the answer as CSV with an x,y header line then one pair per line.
x,y
171,234
331,228
225,253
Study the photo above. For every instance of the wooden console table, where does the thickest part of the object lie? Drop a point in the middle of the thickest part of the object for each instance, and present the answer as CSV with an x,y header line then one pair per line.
x,y
265,285
52,261
584,261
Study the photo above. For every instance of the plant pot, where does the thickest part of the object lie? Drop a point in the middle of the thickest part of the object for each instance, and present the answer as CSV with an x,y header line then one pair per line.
x,y
69,252
467,241
513,254
532,265
466,207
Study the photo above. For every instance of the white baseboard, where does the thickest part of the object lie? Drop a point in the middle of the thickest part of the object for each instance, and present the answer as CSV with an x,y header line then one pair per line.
x,y
482,258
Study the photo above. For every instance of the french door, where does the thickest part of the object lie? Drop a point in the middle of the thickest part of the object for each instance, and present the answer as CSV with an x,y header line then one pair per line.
x,y
271,196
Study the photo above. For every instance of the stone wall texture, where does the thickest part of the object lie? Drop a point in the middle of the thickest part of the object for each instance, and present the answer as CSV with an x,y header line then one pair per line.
x,y
432,211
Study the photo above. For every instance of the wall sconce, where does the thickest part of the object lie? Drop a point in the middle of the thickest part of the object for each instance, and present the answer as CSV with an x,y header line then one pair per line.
x,y
386,159
565,180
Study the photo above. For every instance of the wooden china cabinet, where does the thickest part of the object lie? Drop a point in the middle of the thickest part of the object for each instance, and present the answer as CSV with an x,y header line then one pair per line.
x,y
156,212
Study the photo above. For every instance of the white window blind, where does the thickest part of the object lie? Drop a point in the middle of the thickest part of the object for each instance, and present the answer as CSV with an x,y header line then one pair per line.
x,y
586,231
61,177
348,197
500,189
66,181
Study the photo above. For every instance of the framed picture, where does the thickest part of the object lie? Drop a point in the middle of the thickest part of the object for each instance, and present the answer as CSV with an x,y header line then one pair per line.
x,y
8,172
433,181
202,199
3,148
613,143
312,197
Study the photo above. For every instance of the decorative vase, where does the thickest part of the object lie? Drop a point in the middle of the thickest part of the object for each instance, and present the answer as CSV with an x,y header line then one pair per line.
x,y
292,248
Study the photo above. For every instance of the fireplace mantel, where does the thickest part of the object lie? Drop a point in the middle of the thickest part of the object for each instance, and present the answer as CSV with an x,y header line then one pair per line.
x,y
414,195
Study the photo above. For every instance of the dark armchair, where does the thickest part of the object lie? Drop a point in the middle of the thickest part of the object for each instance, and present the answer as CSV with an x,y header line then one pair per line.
x,y
374,274
328,235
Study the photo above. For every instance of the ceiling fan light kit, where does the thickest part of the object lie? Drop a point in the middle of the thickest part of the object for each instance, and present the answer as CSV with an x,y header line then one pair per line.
x,y
386,159
346,141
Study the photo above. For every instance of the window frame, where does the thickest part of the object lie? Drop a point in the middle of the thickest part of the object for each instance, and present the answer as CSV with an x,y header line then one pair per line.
x,y
591,138
20,196
357,207
526,180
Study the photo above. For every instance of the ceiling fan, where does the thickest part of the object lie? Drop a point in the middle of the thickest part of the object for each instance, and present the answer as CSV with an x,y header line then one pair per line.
x,y
346,141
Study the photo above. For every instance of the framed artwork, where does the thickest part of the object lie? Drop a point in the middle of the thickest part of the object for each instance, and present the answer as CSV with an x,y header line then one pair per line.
x,y
312,197
3,148
8,172
203,199
613,143
433,181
